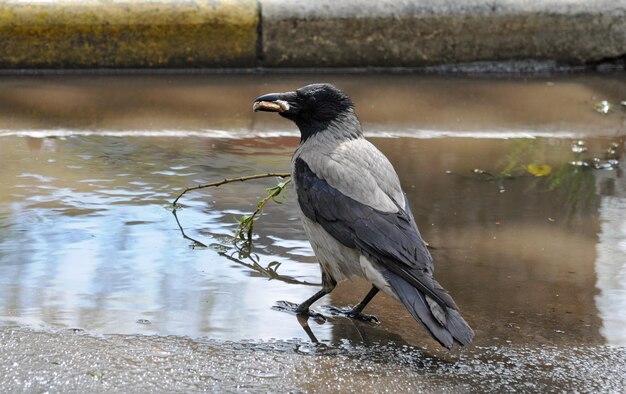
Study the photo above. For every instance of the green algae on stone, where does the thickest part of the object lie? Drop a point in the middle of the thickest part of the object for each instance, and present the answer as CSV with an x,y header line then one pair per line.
x,y
101,33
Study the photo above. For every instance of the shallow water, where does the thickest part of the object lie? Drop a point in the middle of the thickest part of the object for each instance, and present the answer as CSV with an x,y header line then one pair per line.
x,y
90,165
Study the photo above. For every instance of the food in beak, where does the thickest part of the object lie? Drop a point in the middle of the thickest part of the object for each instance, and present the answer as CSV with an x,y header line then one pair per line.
x,y
268,106
271,106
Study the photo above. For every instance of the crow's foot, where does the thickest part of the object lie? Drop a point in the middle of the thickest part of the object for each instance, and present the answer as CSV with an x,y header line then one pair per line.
x,y
292,307
352,314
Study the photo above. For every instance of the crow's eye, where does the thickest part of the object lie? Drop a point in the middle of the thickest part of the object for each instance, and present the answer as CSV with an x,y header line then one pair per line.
x,y
311,101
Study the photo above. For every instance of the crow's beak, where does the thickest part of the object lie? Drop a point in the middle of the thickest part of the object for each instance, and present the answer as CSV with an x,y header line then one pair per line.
x,y
270,103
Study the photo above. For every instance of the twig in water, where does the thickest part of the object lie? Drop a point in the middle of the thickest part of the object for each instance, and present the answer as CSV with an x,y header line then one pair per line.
x,y
269,271
244,230
247,222
180,227
230,180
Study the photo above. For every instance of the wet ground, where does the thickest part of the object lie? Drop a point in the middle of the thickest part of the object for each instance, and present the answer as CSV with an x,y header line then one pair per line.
x,y
89,167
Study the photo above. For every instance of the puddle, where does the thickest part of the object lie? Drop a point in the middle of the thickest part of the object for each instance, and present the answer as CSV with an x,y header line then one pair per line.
x,y
89,240
89,167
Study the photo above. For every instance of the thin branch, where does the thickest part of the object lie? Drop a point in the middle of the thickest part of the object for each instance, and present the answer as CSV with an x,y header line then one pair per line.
x,y
247,223
245,251
231,180
255,266
271,274
180,227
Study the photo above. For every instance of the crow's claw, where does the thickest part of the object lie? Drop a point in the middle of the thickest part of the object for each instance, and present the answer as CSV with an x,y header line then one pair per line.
x,y
292,307
350,313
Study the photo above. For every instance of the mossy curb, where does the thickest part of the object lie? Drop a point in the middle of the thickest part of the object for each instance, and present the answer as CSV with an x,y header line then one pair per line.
x,y
103,33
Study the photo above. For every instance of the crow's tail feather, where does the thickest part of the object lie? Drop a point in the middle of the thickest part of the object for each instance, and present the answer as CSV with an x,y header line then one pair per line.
x,y
446,327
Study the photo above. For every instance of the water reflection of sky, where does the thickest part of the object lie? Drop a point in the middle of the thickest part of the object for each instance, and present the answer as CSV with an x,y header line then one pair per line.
x,y
611,257
88,240
94,246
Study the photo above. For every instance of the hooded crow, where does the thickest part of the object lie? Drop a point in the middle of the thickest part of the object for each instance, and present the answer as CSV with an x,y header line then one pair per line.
x,y
355,213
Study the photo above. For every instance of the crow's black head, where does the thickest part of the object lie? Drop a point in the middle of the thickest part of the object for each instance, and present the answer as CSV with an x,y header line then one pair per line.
x,y
312,107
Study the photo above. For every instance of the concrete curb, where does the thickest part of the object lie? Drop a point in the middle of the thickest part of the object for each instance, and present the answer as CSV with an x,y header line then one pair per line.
x,y
290,33
409,33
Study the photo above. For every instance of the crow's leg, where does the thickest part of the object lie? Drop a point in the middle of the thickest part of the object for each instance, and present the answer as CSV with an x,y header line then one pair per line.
x,y
357,311
368,297
328,284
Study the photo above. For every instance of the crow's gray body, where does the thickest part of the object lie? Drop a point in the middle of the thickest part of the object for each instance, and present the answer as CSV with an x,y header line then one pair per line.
x,y
356,215
358,170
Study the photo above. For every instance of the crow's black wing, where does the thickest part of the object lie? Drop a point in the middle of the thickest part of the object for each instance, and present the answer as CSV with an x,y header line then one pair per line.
x,y
390,239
